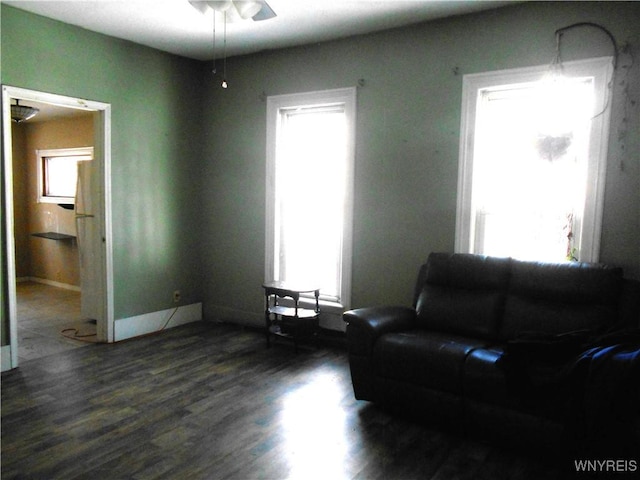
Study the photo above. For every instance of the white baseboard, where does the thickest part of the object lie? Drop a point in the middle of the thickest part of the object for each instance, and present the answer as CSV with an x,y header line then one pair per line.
x,y
218,313
144,324
5,358
53,283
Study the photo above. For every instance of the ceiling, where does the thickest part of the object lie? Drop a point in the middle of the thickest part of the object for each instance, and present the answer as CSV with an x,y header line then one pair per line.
x,y
177,27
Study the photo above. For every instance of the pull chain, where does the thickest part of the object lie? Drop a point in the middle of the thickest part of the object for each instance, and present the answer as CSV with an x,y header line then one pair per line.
x,y
224,65
214,71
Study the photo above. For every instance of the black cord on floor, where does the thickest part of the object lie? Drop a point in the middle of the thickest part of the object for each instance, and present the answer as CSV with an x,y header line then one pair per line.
x,y
169,319
77,336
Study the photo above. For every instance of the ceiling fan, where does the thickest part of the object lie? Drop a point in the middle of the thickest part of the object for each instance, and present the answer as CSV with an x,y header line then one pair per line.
x,y
256,10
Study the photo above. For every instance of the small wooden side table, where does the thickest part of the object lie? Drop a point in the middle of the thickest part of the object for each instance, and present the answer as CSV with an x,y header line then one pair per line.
x,y
289,322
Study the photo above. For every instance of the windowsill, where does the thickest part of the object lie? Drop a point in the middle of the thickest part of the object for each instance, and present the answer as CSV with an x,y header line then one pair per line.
x,y
57,200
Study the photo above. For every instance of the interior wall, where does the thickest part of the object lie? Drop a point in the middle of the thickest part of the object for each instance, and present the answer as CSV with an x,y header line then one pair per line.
x,y
408,133
38,257
155,151
188,159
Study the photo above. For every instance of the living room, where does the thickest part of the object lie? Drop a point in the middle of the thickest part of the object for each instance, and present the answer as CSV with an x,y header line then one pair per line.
x,y
188,158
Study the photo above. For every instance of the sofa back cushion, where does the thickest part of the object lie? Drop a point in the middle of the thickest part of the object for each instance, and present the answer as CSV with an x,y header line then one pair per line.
x,y
560,297
462,294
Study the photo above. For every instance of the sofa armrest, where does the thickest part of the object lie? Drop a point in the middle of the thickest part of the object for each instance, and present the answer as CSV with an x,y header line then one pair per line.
x,y
365,325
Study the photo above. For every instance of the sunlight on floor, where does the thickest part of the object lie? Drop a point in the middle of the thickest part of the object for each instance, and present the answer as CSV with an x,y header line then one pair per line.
x,y
315,429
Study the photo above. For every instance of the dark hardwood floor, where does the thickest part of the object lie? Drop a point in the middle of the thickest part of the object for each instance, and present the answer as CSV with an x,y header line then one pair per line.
x,y
209,401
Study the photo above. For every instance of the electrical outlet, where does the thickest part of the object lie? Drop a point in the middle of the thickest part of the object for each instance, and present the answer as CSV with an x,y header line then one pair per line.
x,y
177,296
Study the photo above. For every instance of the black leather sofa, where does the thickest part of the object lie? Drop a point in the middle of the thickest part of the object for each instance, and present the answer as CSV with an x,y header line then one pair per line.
x,y
506,348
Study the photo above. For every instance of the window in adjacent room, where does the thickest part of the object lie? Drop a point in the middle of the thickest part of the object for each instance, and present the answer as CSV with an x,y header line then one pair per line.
x,y
532,162
58,173
310,161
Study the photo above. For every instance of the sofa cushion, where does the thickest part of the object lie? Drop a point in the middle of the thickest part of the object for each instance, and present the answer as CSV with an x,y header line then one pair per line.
x,y
463,294
535,387
560,297
430,359
484,380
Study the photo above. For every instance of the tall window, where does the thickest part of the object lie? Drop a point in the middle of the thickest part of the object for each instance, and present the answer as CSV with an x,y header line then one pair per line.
x,y
532,164
310,157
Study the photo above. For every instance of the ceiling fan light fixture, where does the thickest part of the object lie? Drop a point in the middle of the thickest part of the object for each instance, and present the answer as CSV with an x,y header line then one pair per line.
x,y
247,8
256,10
22,113
220,5
200,5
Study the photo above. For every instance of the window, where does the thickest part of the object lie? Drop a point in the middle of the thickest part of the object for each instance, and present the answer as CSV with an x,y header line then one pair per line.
x,y
532,162
58,173
310,158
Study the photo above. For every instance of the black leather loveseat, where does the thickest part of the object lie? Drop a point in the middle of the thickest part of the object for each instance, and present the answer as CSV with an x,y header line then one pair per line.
x,y
506,347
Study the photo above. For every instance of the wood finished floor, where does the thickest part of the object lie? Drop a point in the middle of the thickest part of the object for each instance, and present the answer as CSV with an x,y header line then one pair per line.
x,y
209,401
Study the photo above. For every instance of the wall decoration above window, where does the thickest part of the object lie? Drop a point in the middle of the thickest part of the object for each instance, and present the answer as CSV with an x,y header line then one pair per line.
x,y
555,136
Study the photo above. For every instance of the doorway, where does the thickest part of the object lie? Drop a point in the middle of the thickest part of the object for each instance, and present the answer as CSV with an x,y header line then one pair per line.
x,y
96,263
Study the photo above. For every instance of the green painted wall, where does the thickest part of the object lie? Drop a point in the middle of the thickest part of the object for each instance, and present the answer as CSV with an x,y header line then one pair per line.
x,y
407,141
155,146
188,167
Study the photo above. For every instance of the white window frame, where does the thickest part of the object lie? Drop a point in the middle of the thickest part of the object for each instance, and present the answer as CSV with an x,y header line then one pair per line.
x,y
275,105
601,70
78,154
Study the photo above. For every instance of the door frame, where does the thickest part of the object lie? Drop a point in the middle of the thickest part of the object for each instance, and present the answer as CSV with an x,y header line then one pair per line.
x,y
102,154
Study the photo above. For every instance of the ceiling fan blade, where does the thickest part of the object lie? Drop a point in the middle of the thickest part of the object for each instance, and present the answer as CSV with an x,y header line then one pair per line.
x,y
265,13
199,5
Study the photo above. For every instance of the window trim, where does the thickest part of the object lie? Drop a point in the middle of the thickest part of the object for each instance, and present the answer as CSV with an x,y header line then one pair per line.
x,y
275,104
83,154
601,70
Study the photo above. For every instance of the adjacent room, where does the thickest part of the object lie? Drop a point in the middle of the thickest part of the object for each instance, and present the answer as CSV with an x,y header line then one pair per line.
x,y
416,193
48,253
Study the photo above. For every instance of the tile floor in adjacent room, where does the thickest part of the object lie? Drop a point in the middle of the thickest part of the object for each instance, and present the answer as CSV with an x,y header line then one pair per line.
x,y
44,311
